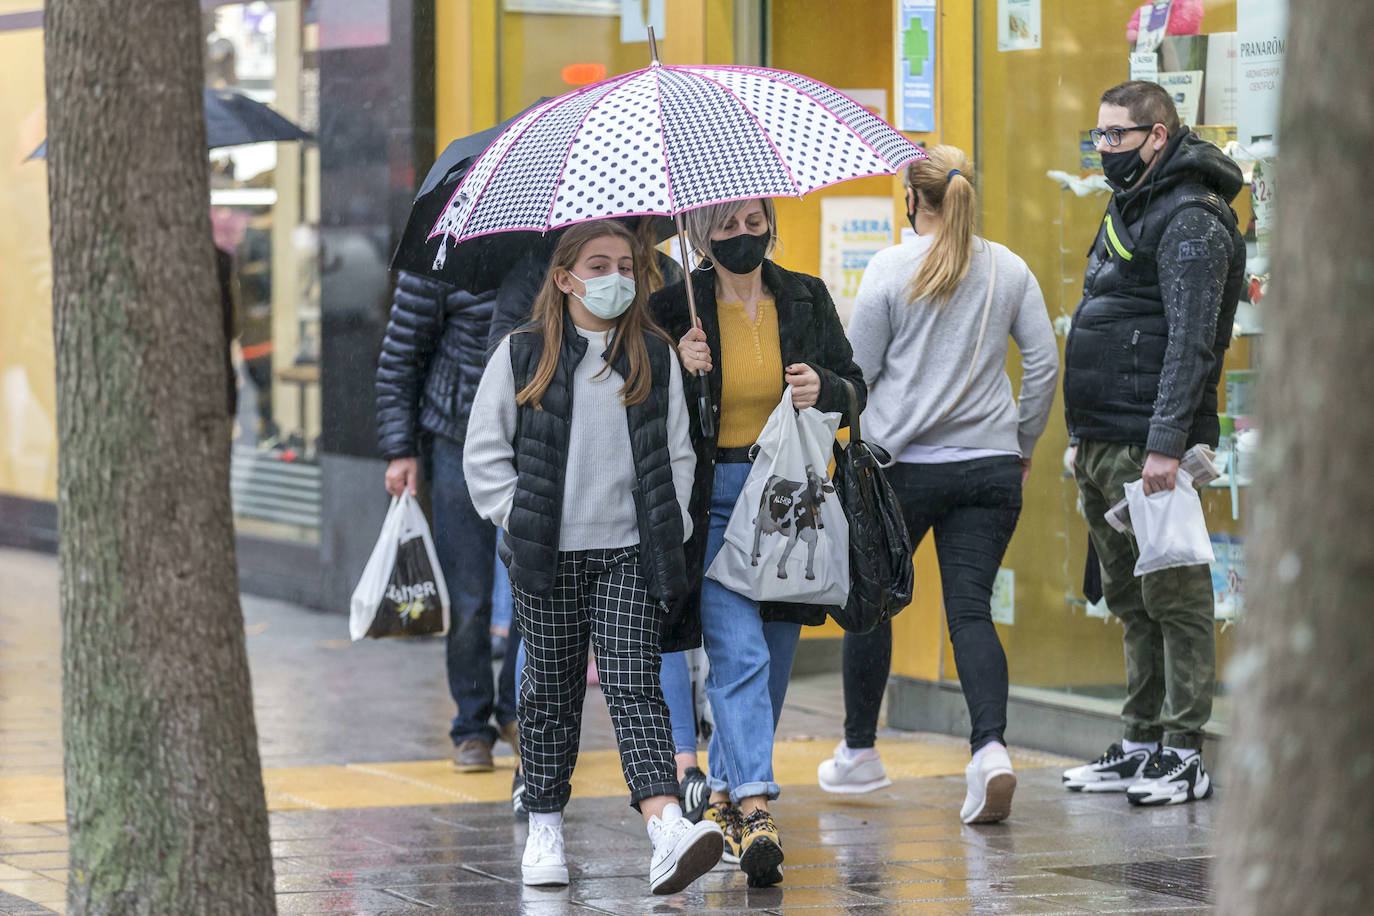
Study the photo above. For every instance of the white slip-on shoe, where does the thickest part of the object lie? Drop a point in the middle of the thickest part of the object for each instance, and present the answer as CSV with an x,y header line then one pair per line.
x,y
683,852
843,776
543,864
991,784
1115,771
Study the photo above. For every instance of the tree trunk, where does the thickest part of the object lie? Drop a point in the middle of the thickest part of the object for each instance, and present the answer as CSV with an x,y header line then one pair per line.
x,y
1297,826
165,802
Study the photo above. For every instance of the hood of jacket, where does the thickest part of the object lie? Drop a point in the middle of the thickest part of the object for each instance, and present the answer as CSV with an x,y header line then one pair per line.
x,y
1186,158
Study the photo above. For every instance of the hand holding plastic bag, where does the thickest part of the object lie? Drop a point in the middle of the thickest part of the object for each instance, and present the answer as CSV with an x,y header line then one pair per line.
x,y
402,590
1169,527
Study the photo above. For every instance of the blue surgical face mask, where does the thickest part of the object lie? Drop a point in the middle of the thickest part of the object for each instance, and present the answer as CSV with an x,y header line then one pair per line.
x,y
607,297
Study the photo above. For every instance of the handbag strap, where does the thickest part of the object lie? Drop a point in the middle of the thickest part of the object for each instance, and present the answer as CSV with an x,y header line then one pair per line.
x,y
982,332
854,435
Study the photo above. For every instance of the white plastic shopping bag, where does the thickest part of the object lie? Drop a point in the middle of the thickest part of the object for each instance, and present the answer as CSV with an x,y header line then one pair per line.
x,y
1169,528
788,539
402,590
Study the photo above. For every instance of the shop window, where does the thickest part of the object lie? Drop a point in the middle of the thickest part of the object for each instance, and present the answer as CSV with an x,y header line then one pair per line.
x,y
264,206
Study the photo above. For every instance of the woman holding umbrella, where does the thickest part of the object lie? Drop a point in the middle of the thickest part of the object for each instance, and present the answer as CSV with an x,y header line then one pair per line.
x,y
759,328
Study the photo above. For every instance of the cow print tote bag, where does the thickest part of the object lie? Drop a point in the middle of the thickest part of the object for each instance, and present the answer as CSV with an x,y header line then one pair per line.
x,y
787,539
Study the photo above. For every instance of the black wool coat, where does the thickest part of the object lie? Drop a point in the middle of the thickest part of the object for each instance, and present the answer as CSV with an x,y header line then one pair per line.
x,y
809,331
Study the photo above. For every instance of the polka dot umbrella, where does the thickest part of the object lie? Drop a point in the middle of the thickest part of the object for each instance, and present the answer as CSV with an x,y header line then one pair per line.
x,y
664,140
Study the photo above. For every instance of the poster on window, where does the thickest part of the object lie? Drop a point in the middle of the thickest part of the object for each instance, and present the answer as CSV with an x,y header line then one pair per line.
x,y
853,230
1018,25
1262,36
1185,88
915,102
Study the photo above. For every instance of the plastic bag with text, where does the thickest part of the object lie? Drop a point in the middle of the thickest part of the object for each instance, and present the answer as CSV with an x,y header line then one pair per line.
x,y
402,590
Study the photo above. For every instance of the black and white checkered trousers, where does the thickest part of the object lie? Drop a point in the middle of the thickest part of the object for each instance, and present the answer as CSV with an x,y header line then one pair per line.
x,y
599,597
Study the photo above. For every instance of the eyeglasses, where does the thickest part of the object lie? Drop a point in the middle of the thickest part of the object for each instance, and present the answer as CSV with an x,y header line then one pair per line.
x,y
1114,134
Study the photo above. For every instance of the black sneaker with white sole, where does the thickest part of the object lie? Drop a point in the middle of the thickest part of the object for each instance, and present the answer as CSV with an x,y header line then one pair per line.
x,y
517,795
695,794
1169,780
1114,771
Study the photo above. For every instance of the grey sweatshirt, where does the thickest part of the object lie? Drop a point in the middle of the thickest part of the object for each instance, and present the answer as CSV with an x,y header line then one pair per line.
x,y
598,507
915,356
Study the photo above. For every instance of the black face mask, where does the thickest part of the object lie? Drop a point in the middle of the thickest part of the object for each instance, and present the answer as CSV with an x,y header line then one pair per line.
x,y
741,254
1124,169
911,218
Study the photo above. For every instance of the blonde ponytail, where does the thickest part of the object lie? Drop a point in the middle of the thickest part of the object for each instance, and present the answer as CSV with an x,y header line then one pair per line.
x,y
944,183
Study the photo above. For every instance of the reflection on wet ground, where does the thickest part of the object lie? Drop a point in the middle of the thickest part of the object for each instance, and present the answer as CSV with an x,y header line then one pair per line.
x,y
336,718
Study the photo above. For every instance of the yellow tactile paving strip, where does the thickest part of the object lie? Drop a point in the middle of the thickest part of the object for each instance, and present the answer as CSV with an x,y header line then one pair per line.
x,y
39,799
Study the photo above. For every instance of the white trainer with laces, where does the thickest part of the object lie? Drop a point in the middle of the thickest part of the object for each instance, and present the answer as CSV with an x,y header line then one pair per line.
x,y
847,774
683,852
991,784
1169,780
544,864
1115,771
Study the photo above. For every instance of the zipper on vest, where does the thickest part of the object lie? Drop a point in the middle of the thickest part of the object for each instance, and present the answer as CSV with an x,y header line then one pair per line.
x,y
1135,364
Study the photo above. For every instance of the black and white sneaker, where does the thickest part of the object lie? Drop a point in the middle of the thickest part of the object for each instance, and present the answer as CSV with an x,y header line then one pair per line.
x,y
1114,771
1171,781
695,794
517,795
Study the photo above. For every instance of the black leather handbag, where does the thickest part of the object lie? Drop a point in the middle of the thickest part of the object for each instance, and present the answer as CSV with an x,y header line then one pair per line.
x,y
881,575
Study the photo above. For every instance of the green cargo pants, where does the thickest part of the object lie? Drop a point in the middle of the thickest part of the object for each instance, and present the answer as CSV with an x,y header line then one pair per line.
x,y
1170,640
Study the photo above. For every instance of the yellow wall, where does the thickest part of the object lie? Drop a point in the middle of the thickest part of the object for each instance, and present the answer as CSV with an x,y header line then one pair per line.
x,y
28,431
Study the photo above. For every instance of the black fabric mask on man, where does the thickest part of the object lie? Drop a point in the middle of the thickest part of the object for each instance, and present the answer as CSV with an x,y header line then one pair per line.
x,y
1123,169
741,254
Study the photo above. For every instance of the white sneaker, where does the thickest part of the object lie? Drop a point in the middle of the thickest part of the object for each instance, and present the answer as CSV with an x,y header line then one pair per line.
x,y
1114,771
543,864
843,776
991,784
683,852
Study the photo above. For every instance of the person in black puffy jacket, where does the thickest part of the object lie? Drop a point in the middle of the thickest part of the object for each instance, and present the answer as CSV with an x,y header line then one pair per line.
x,y
431,361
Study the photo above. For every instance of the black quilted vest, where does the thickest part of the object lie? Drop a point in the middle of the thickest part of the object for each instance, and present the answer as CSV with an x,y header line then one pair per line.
x,y
541,450
1115,349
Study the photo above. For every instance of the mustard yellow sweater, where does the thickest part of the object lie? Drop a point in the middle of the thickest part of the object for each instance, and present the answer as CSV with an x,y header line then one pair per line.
x,y
750,371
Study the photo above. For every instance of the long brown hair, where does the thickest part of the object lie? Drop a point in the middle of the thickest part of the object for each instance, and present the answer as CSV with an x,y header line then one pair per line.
x,y
550,306
943,182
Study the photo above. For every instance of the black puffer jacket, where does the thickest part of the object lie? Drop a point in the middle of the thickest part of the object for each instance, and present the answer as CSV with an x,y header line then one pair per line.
x,y
1144,354
809,331
432,359
541,457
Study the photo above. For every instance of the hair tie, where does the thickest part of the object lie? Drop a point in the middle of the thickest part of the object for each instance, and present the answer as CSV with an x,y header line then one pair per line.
x,y
952,172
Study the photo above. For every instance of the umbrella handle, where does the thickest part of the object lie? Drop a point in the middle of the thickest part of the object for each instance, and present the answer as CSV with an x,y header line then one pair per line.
x,y
708,420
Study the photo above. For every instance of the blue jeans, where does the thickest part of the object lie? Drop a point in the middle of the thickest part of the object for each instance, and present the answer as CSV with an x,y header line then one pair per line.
x,y
751,662
677,693
466,543
502,608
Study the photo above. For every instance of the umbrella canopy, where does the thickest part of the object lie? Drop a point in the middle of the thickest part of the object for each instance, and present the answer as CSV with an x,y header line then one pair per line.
x,y
232,118
480,265
664,140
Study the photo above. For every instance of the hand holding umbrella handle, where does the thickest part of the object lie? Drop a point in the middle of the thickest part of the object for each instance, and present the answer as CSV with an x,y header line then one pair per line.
x,y
707,419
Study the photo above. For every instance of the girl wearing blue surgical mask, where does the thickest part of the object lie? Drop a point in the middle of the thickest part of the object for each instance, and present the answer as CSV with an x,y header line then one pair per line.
x,y
578,448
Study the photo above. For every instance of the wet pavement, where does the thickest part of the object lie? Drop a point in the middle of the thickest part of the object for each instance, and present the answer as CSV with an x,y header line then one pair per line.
x,y
367,817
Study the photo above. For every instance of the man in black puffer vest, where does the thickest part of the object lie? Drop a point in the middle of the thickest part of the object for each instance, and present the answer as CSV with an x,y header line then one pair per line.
x,y
431,361
1141,367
